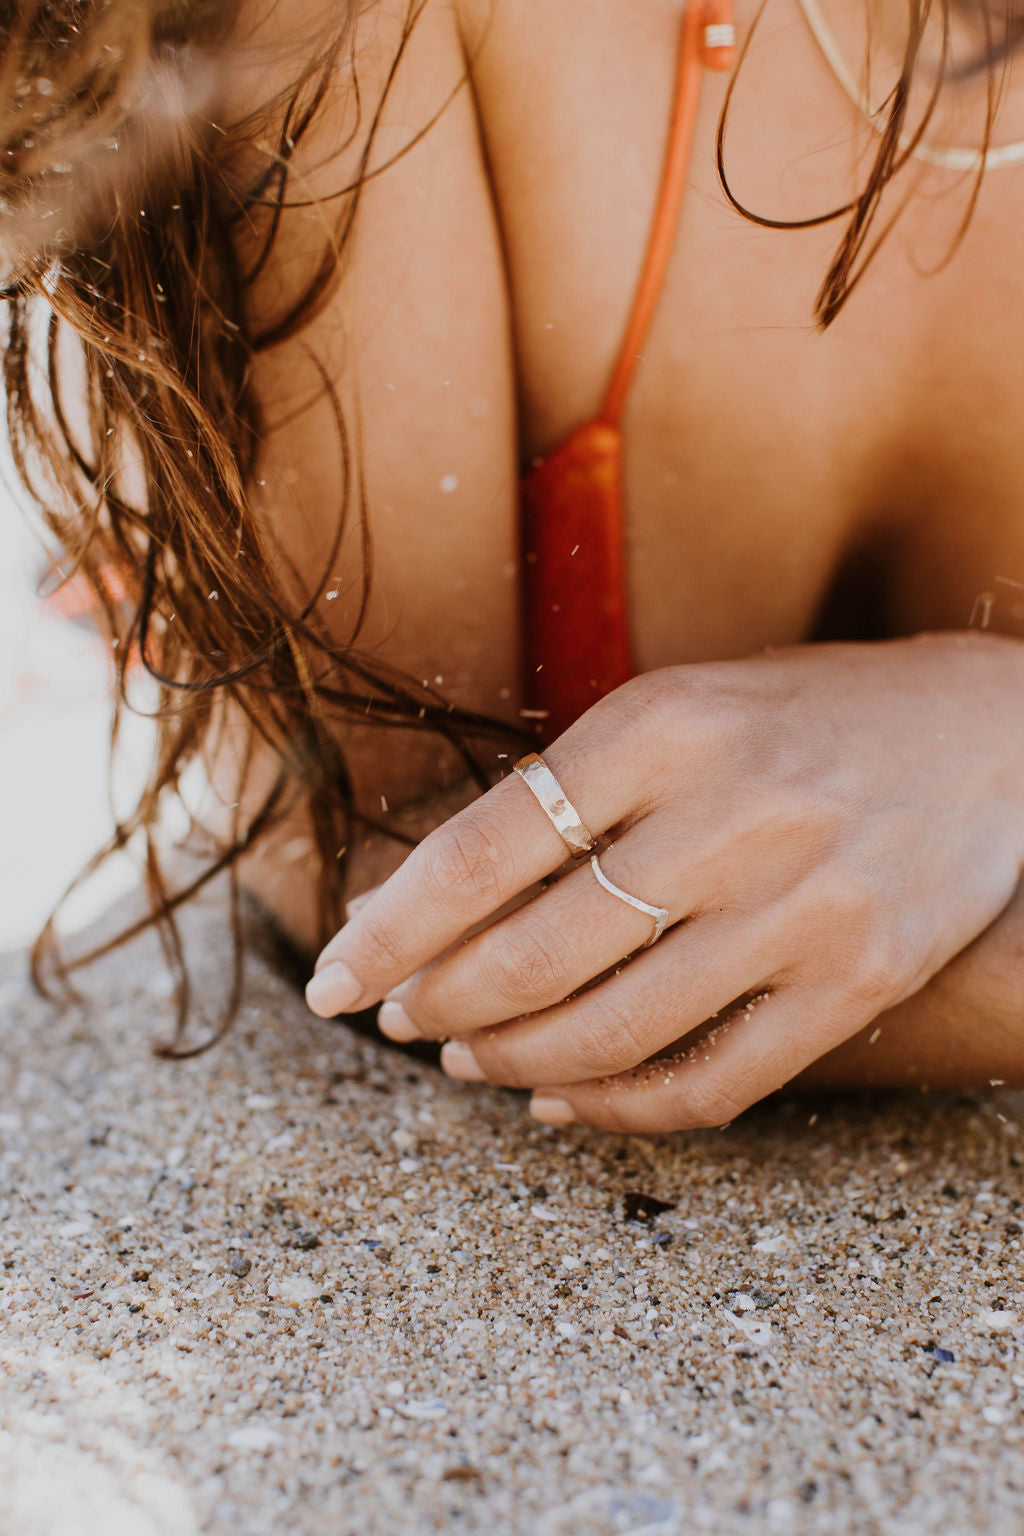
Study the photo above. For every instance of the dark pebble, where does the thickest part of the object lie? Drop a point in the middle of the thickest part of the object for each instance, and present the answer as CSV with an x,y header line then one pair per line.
x,y
239,1266
305,1240
637,1206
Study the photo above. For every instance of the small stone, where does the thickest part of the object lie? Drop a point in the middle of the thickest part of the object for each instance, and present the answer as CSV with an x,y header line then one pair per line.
x,y
999,1321
293,1289
429,1408
771,1244
408,1165
239,1265
305,1240
637,1206
757,1330
542,1213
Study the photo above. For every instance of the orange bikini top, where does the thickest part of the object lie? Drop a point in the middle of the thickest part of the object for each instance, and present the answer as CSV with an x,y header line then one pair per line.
x,y
576,643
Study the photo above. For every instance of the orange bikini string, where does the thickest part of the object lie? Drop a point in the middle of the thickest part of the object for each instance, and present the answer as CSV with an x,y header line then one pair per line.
x,y
707,40
575,637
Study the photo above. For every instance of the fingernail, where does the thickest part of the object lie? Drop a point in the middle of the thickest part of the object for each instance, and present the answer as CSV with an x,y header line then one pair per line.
x,y
333,990
393,1021
551,1110
458,1061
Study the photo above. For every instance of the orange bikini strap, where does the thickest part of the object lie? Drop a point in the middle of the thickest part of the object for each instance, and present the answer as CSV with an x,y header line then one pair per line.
x,y
707,39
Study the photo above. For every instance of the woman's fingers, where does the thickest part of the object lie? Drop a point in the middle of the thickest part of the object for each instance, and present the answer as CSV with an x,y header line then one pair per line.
x,y
548,948
469,868
753,1052
697,970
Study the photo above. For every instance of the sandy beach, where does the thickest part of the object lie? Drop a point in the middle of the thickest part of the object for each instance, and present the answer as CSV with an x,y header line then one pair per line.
x,y
303,1283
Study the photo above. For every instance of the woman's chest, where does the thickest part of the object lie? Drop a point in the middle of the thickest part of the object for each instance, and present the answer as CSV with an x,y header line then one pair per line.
x,y
766,459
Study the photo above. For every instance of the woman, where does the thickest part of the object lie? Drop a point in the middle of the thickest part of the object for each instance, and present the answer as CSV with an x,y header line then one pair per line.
x,y
831,834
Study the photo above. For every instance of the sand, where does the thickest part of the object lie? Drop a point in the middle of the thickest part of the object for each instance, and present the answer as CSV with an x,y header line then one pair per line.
x,y
305,1284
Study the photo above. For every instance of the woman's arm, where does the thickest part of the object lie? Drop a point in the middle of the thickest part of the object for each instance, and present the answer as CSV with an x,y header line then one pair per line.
x,y
828,828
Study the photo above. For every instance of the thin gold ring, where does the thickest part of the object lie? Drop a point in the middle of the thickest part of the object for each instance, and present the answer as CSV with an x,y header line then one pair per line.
x,y
659,914
555,804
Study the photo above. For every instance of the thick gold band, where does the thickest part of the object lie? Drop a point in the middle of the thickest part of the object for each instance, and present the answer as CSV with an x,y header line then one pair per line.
x,y
555,804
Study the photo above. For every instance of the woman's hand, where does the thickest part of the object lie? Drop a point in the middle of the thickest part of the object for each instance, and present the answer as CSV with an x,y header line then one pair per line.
x,y
827,826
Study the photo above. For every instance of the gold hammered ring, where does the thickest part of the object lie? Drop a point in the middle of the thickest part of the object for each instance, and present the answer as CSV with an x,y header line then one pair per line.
x,y
659,914
555,804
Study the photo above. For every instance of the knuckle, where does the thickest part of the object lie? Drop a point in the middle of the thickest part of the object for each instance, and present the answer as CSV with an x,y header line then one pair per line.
x,y
526,963
463,860
609,1040
653,707
619,1114
672,709
657,699
863,943
431,1017
502,1059
877,974
709,1103
381,949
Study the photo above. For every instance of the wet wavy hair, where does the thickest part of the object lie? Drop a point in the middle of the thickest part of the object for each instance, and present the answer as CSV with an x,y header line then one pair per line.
x,y
128,286
124,206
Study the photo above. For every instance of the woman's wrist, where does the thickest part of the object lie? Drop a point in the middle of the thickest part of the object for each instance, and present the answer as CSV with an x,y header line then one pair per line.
x,y
986,672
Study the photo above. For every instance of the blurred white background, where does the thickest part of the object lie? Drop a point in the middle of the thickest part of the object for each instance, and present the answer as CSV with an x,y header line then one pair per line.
x,y
54,719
